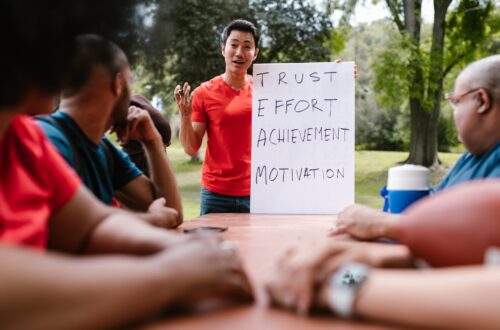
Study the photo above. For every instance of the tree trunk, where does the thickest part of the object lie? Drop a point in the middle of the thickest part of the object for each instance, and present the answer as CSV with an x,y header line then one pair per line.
x,y
425,109
423,143
423,139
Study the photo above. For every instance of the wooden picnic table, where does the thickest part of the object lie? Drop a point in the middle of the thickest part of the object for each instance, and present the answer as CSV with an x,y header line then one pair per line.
x,y
260,240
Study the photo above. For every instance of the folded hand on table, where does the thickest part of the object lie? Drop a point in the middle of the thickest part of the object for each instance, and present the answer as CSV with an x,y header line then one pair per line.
x,y
161,215
205,266
303,269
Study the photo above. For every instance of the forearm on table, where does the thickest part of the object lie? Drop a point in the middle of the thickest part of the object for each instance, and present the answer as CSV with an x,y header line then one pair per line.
x,y
464,298
120,233
45,291
391,255
189,140
162,176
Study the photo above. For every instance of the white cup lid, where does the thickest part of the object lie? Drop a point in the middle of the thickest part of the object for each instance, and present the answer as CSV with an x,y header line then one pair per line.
x,y
408,177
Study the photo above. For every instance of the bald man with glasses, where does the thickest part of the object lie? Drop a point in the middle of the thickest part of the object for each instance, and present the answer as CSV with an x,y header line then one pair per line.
x,y
476,104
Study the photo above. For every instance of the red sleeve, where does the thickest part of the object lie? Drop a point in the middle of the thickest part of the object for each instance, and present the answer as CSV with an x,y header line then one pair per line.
x,y
199,115
62,181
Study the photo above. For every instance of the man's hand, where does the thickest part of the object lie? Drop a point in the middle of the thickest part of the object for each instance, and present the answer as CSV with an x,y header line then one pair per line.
x,y
302,268
205,266
140,127
365,223
183,98
162,216
190,133
292,283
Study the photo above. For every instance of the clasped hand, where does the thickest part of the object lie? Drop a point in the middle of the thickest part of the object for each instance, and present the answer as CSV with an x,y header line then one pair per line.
x,y
139,127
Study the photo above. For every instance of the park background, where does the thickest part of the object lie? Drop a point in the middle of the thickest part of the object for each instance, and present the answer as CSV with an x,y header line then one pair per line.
x,y
408,53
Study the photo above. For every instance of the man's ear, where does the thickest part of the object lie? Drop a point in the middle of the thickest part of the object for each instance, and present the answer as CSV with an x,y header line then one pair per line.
x,y
256,53
222,49
116,84
484,101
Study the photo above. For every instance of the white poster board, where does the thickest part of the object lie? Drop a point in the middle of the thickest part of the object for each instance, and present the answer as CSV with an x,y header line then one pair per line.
x,y
302,138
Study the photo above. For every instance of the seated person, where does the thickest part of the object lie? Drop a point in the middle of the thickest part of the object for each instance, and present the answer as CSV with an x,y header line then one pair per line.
x,y
477,117
43,204
134,148
95,98
442,231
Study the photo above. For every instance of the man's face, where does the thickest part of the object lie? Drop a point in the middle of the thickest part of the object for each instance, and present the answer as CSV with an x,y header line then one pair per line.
x,y
465,114
239,52
120,109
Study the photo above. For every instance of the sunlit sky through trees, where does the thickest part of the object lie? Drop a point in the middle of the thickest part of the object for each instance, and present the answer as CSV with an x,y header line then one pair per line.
x,y
367,12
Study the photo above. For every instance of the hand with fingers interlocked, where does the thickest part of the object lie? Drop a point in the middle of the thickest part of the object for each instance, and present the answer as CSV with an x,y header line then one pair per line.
x,y
298,273
303,269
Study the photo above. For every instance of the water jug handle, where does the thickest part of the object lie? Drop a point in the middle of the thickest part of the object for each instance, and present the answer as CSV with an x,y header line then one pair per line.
x,y
384,193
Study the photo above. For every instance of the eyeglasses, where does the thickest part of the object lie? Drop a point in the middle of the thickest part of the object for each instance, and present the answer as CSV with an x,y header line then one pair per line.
x,y
455,99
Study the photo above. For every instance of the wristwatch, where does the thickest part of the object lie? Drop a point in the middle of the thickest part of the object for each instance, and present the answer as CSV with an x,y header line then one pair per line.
x,y
344,286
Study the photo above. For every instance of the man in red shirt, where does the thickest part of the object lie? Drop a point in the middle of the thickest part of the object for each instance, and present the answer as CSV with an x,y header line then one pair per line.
x,y
222,107
44,205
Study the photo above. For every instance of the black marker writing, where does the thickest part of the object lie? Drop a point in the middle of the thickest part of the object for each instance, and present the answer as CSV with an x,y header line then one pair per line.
x,y
269,175
262,77
277,136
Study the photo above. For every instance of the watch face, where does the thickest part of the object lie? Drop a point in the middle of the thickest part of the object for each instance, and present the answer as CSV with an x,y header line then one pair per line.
x,y
344,286
353,274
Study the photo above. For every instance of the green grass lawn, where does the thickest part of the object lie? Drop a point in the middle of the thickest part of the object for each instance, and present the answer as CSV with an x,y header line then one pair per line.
x,y
371,172
371,175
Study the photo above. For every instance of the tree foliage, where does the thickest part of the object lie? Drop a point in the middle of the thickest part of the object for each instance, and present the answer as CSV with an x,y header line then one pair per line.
x,y
382,118
416,65
183,41
293,31
379,125
403,64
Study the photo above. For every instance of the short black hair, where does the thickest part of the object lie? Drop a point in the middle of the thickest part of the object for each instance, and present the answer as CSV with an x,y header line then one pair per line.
x,y
240,25
91,51
37,39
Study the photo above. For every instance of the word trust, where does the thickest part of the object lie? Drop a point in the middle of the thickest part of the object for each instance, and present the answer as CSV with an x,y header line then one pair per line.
x,y
285,78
